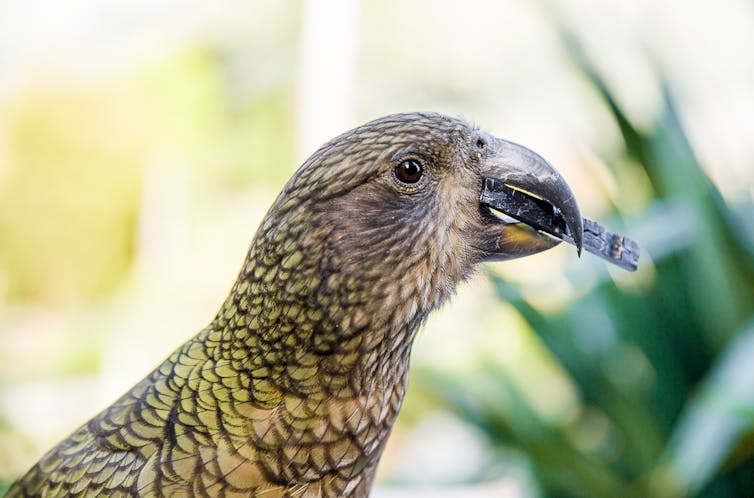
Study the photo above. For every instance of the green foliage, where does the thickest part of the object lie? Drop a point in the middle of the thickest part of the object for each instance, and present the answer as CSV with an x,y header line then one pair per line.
x,y
661,360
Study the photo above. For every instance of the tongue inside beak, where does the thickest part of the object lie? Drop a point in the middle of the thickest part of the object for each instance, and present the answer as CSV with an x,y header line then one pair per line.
x,y
533,210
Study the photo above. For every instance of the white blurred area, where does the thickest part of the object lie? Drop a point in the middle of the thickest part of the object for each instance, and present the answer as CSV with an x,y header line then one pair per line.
x,y
339,63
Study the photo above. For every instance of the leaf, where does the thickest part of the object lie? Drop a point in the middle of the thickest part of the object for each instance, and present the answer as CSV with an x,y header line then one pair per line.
x,y
712,426
490,401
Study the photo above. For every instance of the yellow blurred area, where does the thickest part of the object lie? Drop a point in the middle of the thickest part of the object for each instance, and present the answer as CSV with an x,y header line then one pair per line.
x,y
68,181
142,142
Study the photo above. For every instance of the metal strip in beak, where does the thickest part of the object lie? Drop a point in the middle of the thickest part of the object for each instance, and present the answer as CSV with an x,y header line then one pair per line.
x,y
617,249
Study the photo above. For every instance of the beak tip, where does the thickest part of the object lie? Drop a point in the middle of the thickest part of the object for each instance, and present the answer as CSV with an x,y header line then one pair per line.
x,y
574,221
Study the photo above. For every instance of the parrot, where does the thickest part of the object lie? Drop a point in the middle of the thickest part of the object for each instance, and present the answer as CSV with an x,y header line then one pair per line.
x,y
293,387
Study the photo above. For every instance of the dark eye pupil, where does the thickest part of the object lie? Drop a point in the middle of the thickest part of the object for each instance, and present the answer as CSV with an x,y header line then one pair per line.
x,y
408,171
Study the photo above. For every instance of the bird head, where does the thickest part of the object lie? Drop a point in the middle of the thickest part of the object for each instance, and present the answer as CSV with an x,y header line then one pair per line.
x,y
385,220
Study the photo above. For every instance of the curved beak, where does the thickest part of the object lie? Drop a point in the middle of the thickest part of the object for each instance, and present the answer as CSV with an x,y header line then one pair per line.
x,y
525,171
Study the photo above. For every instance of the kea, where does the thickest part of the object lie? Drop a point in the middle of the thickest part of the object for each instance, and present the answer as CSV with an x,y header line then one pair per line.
x,y
293,387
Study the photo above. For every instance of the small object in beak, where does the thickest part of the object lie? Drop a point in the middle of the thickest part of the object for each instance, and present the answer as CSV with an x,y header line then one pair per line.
x,y
543,216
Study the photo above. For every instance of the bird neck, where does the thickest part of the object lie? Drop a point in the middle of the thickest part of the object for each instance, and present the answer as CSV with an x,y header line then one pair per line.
x,y
310,338
317,310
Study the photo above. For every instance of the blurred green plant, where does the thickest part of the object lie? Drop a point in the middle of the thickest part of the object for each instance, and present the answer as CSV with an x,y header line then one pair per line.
x,y
663,362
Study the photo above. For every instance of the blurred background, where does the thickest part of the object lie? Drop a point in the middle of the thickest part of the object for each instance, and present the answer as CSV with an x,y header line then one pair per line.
x,y
142,141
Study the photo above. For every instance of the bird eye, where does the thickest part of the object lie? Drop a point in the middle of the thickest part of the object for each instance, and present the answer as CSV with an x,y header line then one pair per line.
x,y
409,171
